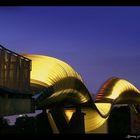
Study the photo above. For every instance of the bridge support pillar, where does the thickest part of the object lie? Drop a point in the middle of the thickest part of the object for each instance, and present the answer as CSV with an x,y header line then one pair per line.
x,y
76,124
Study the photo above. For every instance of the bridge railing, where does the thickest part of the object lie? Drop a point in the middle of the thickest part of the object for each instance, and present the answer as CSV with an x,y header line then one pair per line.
x,y
14,71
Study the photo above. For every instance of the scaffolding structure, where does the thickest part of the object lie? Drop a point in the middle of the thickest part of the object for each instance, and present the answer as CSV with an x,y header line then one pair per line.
x,y
14,71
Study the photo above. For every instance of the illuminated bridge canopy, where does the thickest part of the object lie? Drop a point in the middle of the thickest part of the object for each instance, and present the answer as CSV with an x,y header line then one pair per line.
x,y
60,84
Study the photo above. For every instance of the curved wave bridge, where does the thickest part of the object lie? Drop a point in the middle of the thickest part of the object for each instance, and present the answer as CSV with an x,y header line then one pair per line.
x,y
60,85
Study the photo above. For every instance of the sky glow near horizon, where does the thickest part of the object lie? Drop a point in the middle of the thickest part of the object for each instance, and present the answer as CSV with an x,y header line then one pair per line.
x,y
98,42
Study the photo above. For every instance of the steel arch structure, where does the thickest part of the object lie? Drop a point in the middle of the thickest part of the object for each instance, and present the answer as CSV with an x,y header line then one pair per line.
x,y
60,85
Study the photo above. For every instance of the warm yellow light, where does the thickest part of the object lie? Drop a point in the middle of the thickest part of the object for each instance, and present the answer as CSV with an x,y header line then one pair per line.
x,y
93,119
49,70
69,114
120,87
67,85
104,108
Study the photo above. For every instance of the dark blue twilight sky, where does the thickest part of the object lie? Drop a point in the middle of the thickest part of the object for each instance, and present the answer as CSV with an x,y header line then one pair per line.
x,y
98,42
